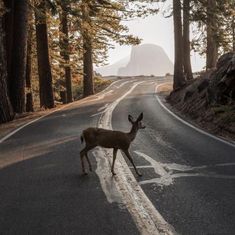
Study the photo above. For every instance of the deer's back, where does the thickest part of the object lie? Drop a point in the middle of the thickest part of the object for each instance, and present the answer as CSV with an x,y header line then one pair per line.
x,y
106,138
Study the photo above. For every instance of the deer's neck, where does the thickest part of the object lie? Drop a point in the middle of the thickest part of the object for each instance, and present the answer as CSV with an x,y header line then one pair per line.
x,y
132,134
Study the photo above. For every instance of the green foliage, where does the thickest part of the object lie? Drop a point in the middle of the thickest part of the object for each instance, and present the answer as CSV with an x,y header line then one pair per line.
x,y
98,21
99,85
221,17
101,25
223,108
225,113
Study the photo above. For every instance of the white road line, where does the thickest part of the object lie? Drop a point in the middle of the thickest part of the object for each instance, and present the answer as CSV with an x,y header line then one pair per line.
x,y
27,124
122,84
101,96
103,107
167,175
147,218
158,168
188,124
85,100
97,114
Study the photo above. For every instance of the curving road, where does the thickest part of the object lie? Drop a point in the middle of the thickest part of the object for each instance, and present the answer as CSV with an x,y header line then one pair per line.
x,y
188,185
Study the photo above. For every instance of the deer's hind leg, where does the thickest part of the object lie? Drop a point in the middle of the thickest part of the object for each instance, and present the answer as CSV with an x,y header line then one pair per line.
x,y
114,158
82,154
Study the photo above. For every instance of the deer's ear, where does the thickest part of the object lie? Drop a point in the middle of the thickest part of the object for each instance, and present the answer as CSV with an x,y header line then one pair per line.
x,y
130,119
140,117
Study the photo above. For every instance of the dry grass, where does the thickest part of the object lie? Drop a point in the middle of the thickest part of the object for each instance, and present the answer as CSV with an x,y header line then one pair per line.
x,y
166,88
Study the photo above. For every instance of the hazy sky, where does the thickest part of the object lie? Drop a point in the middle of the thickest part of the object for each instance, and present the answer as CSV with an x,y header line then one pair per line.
x,y
157,30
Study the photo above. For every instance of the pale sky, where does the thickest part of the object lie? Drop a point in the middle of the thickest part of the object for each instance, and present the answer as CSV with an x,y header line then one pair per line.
x,y
156,30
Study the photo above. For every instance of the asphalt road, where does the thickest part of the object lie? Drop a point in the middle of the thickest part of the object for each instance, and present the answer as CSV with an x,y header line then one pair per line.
x,y
188,177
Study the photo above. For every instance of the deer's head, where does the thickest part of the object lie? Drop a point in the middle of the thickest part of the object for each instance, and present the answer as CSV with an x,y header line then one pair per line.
x,y
136,125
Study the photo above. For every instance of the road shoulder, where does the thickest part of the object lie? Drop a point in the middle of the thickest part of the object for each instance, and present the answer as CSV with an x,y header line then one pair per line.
x,y
165,89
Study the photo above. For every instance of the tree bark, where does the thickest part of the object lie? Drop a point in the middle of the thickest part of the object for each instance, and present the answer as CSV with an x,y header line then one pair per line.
x,y
233,32
65,52
212,47
6,111
88,87
44,67
186,41
8,20
179,79
19,53
29,95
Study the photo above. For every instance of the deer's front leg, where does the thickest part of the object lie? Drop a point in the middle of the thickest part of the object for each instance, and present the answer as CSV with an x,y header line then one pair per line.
x,y
82,154
114,158
132,162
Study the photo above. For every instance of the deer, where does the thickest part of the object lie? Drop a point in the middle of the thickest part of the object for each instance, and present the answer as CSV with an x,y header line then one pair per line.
x,y
117,140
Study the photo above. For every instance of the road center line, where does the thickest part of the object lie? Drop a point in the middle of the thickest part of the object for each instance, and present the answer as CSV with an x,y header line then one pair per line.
x,y
147,218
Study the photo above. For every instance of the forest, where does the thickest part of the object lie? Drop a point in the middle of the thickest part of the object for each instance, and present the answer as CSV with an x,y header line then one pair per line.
x,y
48,47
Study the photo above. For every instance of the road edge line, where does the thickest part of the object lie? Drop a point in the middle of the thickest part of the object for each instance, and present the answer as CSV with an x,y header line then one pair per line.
x,y
187,123
82,101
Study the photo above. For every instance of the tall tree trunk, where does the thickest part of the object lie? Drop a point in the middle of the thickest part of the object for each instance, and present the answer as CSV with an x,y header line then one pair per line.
x,y
65,52
8,28
88,87
88,84
44,67
29,95
19,55
212,47
179,79
186,41
233,32
6,111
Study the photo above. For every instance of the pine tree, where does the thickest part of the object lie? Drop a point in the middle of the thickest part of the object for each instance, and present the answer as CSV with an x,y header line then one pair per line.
x,y
44,67
186,40
19,55
88,86
233,31
179,79
212,43
29,95
100,24
8,20
213,36
6,111
65,49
